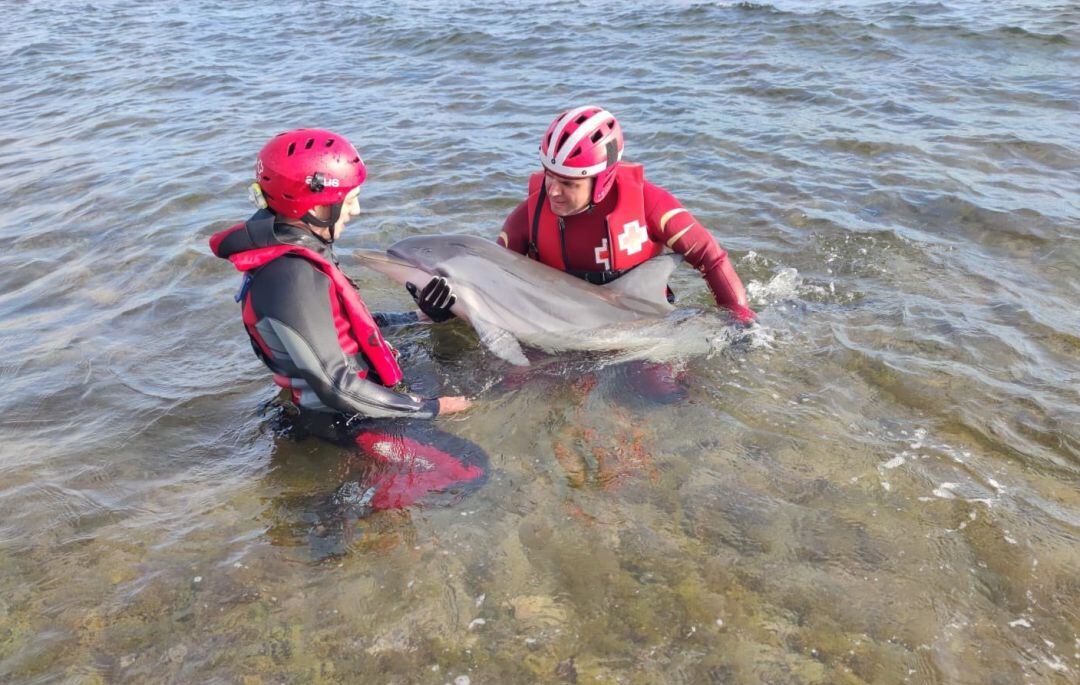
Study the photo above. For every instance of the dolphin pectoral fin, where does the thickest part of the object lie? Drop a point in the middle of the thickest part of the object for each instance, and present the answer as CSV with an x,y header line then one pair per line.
x,y
648,281
501,343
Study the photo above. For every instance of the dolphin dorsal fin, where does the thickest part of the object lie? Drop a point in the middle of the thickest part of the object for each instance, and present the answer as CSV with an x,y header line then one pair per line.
x,y
648,281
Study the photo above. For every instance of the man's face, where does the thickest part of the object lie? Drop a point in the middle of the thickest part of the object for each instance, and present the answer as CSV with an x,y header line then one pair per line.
x,y
350,207
567,195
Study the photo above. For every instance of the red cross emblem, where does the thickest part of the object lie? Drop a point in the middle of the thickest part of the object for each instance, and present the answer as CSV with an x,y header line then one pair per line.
x,y
603,255
633,236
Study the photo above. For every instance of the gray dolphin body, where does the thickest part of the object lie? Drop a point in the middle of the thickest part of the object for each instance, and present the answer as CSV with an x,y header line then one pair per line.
x,y
508,298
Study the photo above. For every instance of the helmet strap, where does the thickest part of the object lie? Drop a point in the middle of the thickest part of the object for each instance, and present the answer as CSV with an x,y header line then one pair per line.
x,y
330,224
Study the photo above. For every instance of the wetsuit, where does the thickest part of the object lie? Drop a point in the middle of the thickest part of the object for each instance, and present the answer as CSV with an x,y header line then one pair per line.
x,y
590,247
296,313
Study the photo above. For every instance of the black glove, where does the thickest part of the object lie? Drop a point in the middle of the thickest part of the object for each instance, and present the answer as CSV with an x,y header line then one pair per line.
x,y
435,300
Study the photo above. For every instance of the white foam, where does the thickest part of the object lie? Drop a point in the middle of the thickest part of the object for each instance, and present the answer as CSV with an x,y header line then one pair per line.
x,y
945,490
898,460
1020,622
1056,664
783,286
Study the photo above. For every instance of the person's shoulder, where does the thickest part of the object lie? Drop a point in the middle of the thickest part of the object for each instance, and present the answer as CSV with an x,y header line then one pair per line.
x,y
521,207
649,185
658,197
287,274
518,217
287,265
290,289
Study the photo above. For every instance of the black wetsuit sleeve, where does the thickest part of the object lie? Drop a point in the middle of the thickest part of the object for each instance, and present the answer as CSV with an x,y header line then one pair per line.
x,y
291,300
394,319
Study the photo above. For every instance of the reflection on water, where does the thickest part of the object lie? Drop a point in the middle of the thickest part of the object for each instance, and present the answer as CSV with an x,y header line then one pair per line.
x,y
878,485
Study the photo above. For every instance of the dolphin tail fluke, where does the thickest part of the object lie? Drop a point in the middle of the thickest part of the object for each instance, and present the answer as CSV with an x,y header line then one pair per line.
x,y
500,342
648,282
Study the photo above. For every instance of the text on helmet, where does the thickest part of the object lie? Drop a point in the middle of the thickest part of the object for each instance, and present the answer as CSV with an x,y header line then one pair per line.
x,y
327,181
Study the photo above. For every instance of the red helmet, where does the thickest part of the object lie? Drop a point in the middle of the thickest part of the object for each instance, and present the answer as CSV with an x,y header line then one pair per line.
x,y
300,169
583,143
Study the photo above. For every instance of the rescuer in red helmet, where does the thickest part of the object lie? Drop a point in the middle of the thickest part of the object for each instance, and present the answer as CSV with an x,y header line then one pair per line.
x,y
305,317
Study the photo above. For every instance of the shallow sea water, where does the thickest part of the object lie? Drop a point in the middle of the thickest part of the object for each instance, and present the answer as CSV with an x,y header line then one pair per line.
x,y
881,486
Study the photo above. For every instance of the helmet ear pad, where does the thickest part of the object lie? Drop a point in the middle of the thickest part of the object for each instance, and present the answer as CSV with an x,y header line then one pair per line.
x,y
603,182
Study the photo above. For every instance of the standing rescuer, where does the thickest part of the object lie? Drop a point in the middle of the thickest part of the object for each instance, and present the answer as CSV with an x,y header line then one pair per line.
x,y
594,216
304,316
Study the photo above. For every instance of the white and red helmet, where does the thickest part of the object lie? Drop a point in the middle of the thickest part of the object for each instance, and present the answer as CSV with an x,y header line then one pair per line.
x,y
585,142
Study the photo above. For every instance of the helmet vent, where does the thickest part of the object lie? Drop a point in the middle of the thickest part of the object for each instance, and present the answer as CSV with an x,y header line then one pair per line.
x,y
329,142
595,137
309,143
292,148
562,139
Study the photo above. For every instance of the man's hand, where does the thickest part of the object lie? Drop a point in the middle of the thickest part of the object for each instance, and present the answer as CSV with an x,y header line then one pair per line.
x,y
453,404
435,300
743,315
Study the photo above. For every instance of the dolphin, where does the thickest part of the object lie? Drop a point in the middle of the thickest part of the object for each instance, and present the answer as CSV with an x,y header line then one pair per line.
x,y
510,299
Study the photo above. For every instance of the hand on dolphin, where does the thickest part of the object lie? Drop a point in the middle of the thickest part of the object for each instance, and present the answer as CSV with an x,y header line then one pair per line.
x,y
452,404
435,300
743,315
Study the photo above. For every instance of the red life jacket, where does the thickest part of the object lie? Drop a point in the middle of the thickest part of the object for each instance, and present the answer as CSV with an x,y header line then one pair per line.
x,y
357,324
627,243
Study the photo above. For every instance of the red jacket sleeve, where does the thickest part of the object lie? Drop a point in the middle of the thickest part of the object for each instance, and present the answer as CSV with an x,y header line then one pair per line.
x,y
515,230
669,223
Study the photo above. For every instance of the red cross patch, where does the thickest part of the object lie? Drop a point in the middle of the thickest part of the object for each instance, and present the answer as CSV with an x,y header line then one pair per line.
x,y
603,255
633,236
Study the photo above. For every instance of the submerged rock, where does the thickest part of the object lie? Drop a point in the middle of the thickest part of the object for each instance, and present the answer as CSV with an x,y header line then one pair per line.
x,y
566,671
538,610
